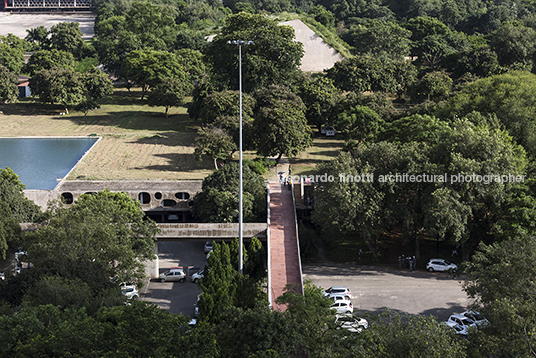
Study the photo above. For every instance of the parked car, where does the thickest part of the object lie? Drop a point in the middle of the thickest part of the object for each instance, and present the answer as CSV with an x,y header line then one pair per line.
x,y
351,323
343,307
462,321
476,317
456,327
208,247
197,276
2,276
343,290
129,291
339,297
440,265
208,255
174,274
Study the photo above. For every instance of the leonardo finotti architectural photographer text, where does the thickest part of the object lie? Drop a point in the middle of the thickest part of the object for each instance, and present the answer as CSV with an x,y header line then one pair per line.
x,y
412,178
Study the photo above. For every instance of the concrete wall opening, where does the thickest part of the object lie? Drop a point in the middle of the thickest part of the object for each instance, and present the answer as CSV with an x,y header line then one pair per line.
x,y
144,198
67,198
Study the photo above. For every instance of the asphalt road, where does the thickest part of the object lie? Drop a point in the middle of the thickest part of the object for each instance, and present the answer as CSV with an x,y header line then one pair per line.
x,y
374,289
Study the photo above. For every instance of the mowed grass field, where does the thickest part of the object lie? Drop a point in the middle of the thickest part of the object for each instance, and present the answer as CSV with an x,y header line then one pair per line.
x,y
138,141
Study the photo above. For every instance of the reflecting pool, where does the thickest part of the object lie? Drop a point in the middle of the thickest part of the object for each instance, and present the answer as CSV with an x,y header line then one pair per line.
x,y
40,162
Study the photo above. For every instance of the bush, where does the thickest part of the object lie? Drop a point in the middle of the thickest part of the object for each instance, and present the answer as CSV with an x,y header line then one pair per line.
x,y
259,165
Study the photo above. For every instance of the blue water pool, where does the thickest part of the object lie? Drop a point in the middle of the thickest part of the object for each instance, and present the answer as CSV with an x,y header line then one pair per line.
x,y
39,162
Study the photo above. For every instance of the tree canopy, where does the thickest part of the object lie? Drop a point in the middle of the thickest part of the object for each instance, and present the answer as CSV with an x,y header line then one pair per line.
x,y
273,58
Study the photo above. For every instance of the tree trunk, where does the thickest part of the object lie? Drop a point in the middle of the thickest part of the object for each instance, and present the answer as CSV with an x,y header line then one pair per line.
x,y
167,111
215,163
278,158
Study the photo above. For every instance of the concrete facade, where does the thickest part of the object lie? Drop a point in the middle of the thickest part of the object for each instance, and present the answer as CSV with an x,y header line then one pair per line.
x,y
154,195
212,231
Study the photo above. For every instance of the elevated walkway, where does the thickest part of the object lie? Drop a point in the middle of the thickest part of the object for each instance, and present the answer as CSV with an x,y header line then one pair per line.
x,y
284,264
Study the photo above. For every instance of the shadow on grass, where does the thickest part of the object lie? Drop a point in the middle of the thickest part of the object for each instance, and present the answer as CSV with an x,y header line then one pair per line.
x,y
135,120
30,107
183,162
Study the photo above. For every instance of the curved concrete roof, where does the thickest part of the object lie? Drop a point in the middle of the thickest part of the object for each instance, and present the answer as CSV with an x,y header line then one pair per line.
x,y
318,55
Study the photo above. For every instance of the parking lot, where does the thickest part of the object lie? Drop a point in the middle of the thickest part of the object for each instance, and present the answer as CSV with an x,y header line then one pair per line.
x,y
176,297
373,289
376,289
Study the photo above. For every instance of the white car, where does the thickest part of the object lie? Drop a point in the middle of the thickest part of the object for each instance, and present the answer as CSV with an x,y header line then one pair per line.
x,y
197,276
462,321
339,297
457,328
343,290
351,323
129,291
343,307
208,255
208,247
476,317
440,265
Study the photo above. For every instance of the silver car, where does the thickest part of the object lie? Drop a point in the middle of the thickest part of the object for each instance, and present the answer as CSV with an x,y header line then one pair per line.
x,y
174,274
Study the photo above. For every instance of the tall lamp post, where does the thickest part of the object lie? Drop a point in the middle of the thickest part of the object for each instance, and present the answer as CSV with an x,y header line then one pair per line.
x,y
240,203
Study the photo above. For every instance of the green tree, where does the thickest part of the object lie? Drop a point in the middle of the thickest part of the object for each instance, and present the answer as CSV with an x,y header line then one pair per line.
x,y
97,84
499,279
218,285
509,96
272,59
466,210
362,208
12,193
58,85
280,124
365,73
514,43
38,34
10,231
433,41
320,97
214,142
218,201
259,332
220,110
169,93
415,128
311,310
108,230
359,123
140,25
12,53
433,86
8,86
148,68
66,36
380,39
395,335
49,59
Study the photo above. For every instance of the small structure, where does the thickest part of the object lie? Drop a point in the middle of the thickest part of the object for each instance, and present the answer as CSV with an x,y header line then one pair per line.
x,y
24,86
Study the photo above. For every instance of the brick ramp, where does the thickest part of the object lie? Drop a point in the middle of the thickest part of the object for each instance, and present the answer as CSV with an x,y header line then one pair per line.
x,y
285,265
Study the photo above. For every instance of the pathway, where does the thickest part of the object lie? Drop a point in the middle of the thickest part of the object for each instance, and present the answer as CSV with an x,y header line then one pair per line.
x,y
284,253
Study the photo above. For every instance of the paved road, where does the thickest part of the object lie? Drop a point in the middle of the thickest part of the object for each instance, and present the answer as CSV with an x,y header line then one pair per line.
x,y
17,24
374,289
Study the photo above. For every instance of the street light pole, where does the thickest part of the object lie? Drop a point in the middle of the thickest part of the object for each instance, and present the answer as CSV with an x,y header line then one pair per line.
x,y
240,202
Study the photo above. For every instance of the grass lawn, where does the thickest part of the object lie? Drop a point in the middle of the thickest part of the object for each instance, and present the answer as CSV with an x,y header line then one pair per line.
x,y
323,149
138,141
